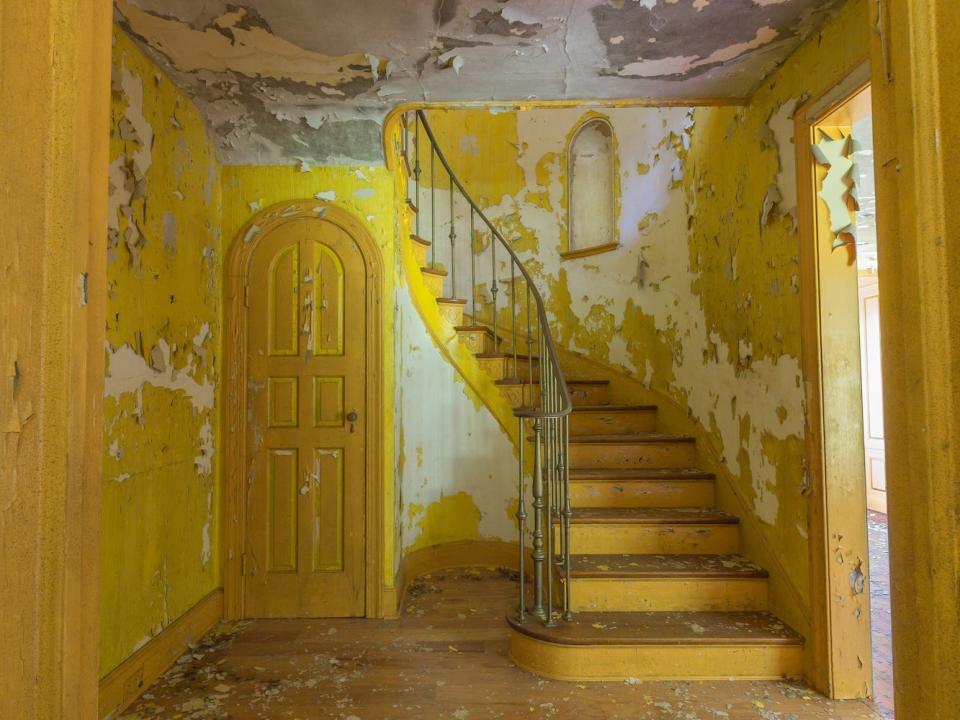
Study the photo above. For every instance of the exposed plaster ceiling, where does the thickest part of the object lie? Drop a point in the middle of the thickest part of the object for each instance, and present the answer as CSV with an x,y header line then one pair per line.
x,y
282,80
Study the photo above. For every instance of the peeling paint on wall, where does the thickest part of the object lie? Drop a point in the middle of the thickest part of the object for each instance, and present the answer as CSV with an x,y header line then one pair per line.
x,y
161,387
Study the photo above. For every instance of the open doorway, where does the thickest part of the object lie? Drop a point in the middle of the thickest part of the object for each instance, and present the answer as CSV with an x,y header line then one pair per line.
x,y
846,425
854,119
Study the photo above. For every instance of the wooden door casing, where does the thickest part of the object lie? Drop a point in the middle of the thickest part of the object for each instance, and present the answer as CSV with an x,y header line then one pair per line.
x,y
306,398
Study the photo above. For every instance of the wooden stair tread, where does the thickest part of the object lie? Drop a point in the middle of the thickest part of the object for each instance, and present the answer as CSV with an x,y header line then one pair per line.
x,y
452,301
474,328
627,474
628,438
433,271
662,628
613,408
507,356
652,516
420,240
664,566
412,205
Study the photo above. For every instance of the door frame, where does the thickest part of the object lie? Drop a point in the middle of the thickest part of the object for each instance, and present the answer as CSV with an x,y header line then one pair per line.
x,y
234,412
839,654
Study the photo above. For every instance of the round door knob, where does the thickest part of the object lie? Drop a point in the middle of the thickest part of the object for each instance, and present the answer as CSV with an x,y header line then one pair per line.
x,y
352,416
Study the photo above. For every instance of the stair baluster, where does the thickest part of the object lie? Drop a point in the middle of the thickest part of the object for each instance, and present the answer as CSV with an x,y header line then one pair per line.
x,y
453,246
433,208
513,316
473,269
522,525
416,171
494,290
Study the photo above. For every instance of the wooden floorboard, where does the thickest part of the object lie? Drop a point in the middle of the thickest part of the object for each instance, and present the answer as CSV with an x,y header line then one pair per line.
x,y
445,658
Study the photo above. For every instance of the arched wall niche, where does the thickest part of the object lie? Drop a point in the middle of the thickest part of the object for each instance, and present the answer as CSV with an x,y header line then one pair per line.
x,y
592,188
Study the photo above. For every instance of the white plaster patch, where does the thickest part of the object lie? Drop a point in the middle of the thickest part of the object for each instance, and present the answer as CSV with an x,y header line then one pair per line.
x,y
128,372
205,548
469,145
203,462
781,125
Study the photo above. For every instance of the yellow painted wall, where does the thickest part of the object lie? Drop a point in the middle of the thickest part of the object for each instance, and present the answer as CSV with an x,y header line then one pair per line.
x,y
160,494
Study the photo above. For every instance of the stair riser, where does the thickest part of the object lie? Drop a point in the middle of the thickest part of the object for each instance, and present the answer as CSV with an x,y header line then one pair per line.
x,y
636,538
609,423
523,368
500,368
452,313
589,394
476,341
496,368
667,594
655,662
584,395
660,493
434,284
420,253
633,455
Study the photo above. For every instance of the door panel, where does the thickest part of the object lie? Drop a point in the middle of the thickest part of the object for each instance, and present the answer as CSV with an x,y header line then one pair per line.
x,y
307,414
872,384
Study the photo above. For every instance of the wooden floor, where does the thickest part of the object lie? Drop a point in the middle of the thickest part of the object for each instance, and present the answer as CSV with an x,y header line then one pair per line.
x,y
880,613
444,658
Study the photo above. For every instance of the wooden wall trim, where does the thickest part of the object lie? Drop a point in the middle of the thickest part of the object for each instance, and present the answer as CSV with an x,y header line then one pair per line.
x,y
125,683
235,391
838,646
54,157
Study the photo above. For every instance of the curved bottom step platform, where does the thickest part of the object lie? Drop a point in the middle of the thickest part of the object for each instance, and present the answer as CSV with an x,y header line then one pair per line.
x,y
612,646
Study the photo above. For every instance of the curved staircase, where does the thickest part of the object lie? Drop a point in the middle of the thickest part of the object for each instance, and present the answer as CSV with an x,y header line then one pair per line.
x,y
657,589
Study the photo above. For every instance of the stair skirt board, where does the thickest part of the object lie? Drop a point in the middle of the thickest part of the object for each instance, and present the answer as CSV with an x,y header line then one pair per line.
x,y
599,663
666,594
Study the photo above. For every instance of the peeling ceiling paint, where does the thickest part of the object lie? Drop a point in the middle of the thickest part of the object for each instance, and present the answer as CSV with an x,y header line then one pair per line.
x,y
291,80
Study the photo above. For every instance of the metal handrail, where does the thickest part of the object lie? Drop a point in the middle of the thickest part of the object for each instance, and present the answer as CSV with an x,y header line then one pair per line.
x,y
567,404
548,417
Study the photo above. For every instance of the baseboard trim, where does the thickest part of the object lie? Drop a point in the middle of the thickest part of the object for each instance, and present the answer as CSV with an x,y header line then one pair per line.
x,y
125,683
447,556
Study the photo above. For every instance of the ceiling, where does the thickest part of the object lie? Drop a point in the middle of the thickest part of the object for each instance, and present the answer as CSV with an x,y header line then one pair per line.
x,y
284,80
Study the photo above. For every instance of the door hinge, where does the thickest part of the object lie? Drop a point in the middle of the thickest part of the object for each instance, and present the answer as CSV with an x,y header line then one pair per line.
x,y
243,564
246,296
884,29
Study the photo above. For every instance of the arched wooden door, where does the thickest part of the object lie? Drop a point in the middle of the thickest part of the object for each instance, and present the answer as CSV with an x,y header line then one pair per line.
x,y
306,401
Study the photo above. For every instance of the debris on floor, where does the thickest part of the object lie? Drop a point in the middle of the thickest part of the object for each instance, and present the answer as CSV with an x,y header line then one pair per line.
x,y
445,658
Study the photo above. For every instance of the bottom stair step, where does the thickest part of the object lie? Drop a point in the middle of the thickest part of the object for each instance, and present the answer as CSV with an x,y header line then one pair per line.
x,y
658,646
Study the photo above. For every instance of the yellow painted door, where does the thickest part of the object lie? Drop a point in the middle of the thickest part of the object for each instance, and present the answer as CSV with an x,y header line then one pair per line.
x,y
305,424
872,386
